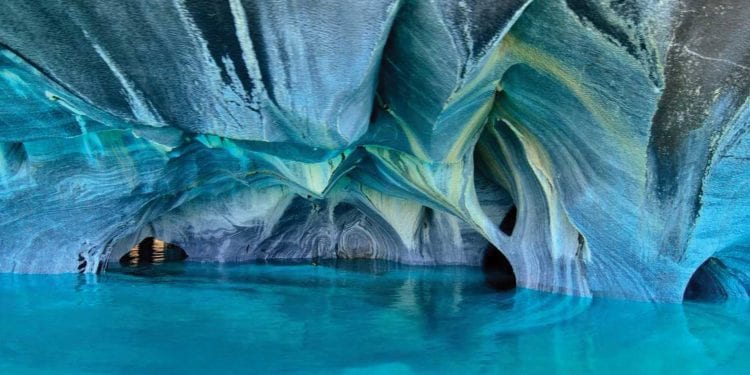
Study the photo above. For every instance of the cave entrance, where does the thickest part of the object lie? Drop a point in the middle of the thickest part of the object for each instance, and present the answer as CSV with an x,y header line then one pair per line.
x,y
491,182
509,221
498,272
705,284
153,251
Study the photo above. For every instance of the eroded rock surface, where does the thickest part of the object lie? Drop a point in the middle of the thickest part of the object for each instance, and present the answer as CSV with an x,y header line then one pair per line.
x,y
601,146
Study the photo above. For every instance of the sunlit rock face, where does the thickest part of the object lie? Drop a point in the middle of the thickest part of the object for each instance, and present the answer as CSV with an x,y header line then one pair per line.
x,y
615,132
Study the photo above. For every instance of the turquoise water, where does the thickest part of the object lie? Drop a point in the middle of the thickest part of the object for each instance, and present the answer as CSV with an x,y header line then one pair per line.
x,y
347,317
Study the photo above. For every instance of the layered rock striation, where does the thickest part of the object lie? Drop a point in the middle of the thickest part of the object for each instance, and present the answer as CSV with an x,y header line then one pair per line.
x,y
601,146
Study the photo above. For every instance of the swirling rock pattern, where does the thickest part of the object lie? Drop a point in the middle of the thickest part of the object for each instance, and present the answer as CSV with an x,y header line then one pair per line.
x,y
403,130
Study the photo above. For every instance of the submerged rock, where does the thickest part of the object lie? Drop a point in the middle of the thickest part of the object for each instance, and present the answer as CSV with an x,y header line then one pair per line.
x,y
601,146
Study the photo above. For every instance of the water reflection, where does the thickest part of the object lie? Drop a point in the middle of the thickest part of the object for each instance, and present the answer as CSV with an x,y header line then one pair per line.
x,y
365,315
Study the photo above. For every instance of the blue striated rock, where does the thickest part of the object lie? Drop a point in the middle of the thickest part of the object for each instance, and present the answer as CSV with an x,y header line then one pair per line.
x,y
601,146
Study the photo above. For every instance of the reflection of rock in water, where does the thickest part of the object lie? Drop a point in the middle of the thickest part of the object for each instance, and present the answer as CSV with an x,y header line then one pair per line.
x,y
366,266
153,250
497,270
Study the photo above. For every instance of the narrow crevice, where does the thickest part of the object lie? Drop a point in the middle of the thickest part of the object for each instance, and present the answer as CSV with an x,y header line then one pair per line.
x,y
581,251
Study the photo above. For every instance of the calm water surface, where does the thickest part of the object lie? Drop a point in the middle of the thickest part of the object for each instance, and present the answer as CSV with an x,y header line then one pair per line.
x,y
347,317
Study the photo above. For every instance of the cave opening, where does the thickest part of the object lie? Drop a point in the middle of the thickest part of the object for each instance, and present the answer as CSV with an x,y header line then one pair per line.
x,y
153,251
706,283
509,221
492,183
498,272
